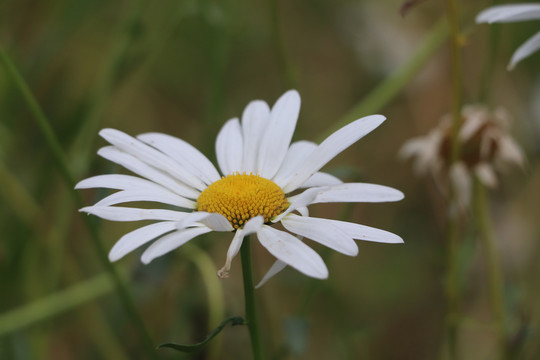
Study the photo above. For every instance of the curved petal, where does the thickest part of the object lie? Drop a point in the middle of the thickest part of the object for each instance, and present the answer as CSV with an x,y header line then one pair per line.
x,y
357,192
229,147
236,243
526,49
164,196
333,145
321,179
117,181
151,156
321,231
277,137
185,154
254,121
139,237
486,175
509,151
293,252
170,242
509,13
118,213
214,221
135,165
297,153
274,269
252,226
298,202
362,232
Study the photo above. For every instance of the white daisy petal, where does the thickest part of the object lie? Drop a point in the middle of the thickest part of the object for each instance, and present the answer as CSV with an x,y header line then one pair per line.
x,y
214,221
297,153
120,182
184,153
274,269
229,147
323,232
321,179
191,219
293,252
357,192
509,13
139,237
362,232
164,196
333,145
170,242
118,213
135,165
299,201
254,121
236,243
151,156
278,135
303,210
252,226
527,48
217,222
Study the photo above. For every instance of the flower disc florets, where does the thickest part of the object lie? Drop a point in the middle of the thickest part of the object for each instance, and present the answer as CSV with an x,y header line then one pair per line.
x,y
240,197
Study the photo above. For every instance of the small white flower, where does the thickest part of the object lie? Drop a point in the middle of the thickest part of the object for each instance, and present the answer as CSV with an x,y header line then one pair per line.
x,y
514,13
484,145
262,177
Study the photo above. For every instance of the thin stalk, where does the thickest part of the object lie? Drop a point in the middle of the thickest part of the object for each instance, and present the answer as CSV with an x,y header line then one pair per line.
x,y
452,276
487,73
455,55
452,285
496,287
61,162
249,297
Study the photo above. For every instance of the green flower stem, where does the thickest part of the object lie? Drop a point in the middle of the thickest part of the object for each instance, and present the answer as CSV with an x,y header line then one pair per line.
x,y
249,296
452,288
61,162
452,276
455,54
496,288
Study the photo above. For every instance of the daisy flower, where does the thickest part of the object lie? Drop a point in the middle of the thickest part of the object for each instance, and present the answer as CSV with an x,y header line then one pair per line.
x,y
265,179
485,145
513,13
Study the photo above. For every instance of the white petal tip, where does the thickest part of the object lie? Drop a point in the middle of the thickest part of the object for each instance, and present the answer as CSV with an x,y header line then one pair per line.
x,y
223,273
146,260
114,257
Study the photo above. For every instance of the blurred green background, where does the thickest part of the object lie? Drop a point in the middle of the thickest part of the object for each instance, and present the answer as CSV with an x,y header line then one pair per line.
x,y
184,68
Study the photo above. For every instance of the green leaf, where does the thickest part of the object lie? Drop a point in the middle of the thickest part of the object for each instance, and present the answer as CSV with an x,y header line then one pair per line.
x,y
234,320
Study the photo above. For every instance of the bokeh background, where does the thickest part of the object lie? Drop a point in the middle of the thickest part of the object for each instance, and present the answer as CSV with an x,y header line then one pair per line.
x,y
184,67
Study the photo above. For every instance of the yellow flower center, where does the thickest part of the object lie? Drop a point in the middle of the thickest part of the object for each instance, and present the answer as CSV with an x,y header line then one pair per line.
x,y
240,197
